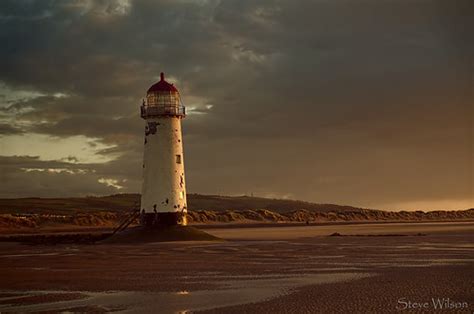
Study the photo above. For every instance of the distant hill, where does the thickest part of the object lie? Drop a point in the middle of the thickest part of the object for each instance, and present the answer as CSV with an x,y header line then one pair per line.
x,y
39,214
124,202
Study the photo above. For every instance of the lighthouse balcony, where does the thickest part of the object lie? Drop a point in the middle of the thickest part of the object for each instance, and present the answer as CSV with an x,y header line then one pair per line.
x,y
147,111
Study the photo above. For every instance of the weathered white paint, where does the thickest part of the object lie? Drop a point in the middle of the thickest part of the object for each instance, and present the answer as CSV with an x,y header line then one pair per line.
x,y
163,174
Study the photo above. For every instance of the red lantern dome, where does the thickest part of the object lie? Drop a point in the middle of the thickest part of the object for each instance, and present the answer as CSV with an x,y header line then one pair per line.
x,y
162,86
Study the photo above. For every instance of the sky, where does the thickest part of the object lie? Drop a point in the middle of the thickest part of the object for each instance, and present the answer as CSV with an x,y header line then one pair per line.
x,y
359,102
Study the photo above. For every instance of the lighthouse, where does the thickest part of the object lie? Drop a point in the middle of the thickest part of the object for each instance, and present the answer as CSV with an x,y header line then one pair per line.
x,y
163,199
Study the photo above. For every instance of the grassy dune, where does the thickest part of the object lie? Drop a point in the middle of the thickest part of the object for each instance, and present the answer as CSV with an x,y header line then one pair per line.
x,y
34,214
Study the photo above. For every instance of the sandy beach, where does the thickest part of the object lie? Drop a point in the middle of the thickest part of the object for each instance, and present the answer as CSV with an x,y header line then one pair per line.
x,y
370,268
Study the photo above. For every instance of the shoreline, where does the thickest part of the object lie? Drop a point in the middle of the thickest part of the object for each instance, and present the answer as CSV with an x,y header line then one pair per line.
x,y
257,231
68,229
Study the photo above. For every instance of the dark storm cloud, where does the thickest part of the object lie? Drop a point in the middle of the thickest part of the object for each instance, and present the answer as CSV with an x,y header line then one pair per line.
x,y
321,100
46,178
8,129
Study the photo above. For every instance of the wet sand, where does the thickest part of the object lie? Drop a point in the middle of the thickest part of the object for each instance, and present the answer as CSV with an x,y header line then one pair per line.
x,y
292,269
287,232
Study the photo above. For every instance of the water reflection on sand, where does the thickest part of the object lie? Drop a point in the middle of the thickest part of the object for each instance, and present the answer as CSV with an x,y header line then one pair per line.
x,y
234,290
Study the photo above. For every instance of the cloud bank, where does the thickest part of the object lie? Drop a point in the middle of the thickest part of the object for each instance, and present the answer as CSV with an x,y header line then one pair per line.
x,y
367,103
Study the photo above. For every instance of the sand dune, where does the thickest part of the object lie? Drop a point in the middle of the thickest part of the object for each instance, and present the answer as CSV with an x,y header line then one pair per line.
x,y
34,214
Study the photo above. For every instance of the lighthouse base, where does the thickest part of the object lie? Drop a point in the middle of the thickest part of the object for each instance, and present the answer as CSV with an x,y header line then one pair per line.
x,y
142,234
160,220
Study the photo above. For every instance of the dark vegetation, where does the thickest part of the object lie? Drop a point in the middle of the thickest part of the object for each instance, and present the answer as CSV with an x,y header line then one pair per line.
x,y
33,214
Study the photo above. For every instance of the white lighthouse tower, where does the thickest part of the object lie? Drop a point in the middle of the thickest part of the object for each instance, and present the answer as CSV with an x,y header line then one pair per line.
x,y
163,200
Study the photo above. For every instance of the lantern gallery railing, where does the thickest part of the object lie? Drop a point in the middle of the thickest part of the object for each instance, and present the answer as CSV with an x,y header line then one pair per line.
x,y
150,111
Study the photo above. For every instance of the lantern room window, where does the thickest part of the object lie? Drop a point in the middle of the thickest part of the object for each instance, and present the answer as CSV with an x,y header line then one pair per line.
x,y
163,99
